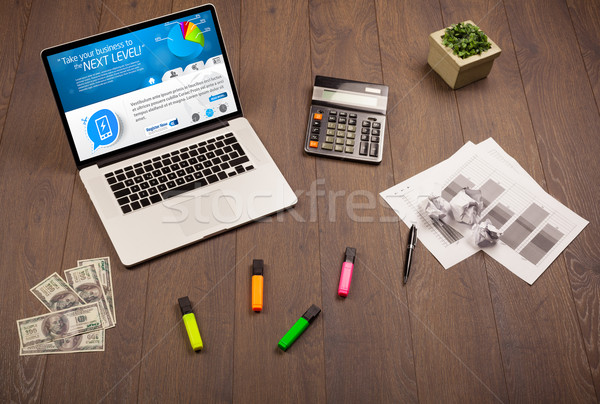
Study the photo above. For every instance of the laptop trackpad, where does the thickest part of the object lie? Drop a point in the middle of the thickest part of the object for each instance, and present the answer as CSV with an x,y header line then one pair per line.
x,y
203,213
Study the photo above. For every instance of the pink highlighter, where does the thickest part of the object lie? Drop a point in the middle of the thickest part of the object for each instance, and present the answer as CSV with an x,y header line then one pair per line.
x,y
346,276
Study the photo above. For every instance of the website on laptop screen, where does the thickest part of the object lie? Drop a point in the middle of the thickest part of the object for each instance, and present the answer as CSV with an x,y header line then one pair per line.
x,y
142,85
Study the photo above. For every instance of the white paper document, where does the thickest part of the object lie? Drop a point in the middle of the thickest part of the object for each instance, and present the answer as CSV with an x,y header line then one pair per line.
x,y
533,227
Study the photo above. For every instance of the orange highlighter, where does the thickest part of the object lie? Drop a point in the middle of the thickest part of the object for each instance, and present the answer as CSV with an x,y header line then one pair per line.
x,y
257,285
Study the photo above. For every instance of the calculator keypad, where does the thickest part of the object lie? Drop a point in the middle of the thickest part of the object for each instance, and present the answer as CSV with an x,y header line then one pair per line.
x,y
344,134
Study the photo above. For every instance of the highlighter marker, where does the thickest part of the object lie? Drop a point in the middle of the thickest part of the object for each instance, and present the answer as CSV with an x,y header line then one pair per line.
x,y
257,285
346,275
190,323
298,328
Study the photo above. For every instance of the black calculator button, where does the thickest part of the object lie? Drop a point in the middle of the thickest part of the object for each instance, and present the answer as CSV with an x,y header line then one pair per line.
x,y
376,125
352,115
316,123
375,139
343,114
332,118
351,121
375,132
364,137
314,137
327,146
342,120
333,112
316,130
365,131
366,124
374,150
364,148
351,128
339,148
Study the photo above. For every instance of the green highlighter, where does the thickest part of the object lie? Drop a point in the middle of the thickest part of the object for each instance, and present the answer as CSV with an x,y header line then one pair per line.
x,y
297,329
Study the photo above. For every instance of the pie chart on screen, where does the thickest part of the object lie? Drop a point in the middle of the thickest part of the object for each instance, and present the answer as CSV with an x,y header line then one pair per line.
x,y
185,40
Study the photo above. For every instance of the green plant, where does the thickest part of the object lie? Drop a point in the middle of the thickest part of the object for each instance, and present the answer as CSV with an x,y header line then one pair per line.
x,y
465,40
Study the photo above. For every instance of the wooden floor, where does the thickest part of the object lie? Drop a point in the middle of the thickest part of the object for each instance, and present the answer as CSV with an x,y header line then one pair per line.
x,y
473,333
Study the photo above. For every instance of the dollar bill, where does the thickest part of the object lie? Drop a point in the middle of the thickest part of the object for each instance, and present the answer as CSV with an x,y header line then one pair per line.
x,y
59,324
89,342
87,284
102,266
56,294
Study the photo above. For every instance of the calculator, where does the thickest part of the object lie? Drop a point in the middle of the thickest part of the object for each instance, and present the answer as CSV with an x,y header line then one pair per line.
x,y
347,120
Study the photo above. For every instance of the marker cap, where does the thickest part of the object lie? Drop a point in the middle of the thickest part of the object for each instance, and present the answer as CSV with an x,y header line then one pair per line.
x,y
257,267
185,305
311,313
350,254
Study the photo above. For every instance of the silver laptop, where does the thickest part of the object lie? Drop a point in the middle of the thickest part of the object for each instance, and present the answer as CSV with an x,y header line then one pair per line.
x,y
156,128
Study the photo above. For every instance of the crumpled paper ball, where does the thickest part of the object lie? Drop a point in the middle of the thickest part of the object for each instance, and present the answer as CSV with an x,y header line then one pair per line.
x,y
485,234
467,205
435,207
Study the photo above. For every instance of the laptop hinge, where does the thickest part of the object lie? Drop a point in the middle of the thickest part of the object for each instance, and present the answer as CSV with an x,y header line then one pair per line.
x,y
158,144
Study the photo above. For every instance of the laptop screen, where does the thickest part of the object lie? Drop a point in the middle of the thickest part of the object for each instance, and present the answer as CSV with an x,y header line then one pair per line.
x,y
137,84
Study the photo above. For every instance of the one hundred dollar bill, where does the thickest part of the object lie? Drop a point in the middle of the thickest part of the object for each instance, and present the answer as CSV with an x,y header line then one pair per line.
x,y
90,342
102,266
59,324
87,284
56,294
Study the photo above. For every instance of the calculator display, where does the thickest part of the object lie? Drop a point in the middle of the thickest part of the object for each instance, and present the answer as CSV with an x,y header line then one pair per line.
x,y
350,98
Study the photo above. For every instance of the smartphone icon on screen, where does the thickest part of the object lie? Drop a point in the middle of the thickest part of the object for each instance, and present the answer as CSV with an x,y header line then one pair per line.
x,y
103,127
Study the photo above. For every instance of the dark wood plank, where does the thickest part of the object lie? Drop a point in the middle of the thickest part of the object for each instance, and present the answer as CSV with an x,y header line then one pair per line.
x,y
205,272
585,16
529,370
453,330
367,334
565,120
86,238
36,184
274,84
13,22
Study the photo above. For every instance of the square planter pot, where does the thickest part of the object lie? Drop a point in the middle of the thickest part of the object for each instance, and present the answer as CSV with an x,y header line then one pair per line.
x,y
455,71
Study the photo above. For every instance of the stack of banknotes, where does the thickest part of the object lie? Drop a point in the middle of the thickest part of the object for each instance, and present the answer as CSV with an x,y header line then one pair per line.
x,y
81,308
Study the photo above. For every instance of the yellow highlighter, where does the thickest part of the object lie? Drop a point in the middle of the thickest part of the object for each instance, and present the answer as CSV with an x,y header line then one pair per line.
x,y
190,323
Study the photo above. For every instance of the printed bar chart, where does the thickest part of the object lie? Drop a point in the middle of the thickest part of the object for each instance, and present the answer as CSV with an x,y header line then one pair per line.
x,y
455,186
490,190
541,244
499,215
524,226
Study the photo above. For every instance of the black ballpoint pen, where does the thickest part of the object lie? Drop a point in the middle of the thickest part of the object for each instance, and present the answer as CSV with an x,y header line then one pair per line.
x,y
412,242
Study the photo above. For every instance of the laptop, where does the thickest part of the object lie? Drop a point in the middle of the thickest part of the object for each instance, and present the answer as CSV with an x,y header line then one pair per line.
x,y
157,132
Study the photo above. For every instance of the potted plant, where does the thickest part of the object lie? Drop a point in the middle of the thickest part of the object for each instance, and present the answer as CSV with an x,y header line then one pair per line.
x,y
461,54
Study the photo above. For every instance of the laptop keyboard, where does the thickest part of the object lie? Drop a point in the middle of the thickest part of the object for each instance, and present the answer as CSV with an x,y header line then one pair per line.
x,y
174,173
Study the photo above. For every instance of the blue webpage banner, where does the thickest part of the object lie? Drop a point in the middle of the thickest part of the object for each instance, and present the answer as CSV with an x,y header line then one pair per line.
x,y
127,63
